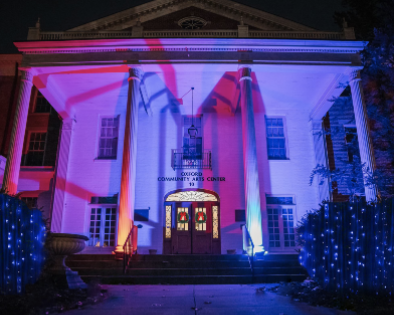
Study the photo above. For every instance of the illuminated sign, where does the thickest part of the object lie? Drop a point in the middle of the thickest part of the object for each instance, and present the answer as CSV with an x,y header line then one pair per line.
x,y
191,177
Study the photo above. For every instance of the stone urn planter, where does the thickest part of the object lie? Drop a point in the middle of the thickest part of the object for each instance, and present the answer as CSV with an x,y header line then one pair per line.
x,y
61,245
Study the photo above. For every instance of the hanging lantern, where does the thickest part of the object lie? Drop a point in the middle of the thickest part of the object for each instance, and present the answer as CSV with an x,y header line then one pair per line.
x,y
192,131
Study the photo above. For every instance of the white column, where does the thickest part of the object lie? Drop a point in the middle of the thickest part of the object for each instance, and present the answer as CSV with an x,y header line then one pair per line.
x,y
252,185
127,184
319,143
12,168
61,175
363,132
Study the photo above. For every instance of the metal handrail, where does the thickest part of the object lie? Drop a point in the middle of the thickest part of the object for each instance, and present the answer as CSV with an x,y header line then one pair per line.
x,y
130,247
248,243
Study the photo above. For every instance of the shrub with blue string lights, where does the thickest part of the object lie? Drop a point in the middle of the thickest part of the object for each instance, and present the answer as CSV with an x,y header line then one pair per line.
x,y
348,247
22,234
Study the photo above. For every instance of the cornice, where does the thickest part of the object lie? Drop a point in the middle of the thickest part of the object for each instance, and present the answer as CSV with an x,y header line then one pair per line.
x,y
157,8
241,49
189,45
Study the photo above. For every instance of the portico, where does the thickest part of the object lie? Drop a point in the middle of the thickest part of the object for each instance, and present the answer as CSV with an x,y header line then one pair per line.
x,y
141,85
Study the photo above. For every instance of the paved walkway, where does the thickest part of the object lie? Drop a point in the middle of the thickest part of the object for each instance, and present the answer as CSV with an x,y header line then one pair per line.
x,y
198,299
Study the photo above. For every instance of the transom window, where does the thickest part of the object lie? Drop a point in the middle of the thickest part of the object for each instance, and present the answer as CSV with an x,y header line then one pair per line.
x,y
276,141
102,227
35,152
108,144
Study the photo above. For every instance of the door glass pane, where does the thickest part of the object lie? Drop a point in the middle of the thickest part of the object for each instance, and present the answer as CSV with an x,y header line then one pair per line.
x,y
288,227
200,216
215,221
109,227
94,231
168,221
182,226
273,227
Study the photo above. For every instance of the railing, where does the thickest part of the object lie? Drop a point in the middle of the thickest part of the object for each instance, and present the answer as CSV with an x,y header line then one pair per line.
x,y
188,33
296,35
182,159
83,35
130,247
248,246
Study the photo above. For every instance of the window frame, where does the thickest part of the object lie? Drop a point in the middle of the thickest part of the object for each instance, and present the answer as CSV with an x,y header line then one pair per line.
x,y
285,135
27,144
345,128
36,96
103,206
293,206
97,157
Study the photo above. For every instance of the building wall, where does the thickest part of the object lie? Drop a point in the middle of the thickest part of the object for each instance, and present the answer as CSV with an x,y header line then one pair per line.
x,y
162,132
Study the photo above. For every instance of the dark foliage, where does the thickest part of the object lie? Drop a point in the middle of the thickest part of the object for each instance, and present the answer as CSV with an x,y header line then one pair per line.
x,y
312,293
45,297
373,21
348,247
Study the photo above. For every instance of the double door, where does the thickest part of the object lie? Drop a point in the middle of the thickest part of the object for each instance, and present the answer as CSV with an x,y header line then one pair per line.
x,y
193,229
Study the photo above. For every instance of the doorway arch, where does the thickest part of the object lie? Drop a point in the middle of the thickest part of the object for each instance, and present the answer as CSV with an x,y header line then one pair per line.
x,y
191,222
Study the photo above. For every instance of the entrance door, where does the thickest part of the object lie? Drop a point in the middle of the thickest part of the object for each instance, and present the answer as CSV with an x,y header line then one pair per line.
x,y
202,232
182,238
192,235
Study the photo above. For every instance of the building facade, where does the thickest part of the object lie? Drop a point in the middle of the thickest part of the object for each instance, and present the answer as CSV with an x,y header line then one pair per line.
x,y
188,118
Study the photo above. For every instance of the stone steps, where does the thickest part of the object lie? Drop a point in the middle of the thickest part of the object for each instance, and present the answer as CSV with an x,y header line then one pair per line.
x,y
187,269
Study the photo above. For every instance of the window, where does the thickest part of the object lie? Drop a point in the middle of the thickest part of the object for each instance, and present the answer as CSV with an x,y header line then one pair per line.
x,y
281,227
35,153
352,143
42,105
102,226
31,202
276,141
192,23
108,144
240,216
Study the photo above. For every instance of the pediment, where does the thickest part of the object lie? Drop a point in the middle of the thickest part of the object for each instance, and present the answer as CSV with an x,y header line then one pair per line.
x,y
164,14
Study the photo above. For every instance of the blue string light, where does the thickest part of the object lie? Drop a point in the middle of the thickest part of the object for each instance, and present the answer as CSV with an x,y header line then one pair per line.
x,y
349,247
22,235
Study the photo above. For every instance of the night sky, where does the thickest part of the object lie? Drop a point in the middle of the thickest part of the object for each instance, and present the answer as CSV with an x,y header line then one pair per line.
x,y
59,15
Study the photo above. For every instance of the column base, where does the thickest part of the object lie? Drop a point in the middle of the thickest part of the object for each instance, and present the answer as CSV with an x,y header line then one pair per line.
x,y
118,252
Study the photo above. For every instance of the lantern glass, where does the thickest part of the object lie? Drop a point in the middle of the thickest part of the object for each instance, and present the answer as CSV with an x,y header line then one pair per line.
x,y
192,131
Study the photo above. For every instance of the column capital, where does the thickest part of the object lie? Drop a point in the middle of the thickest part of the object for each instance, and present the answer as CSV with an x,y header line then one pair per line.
x,y
27,74
67,124
354,75
245,73
135,74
